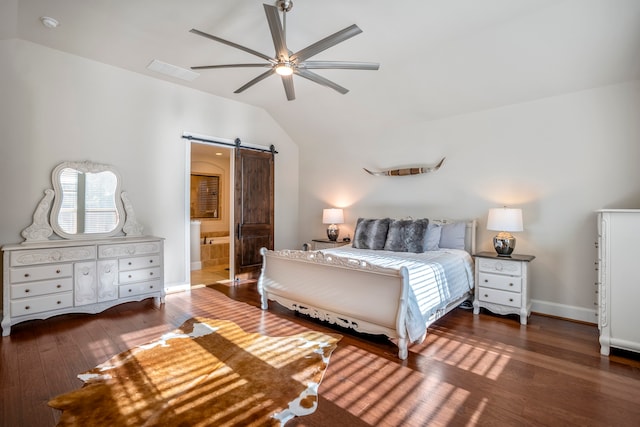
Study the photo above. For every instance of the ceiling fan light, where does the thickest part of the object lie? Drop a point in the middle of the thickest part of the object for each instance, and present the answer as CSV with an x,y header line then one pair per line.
x,y
284,69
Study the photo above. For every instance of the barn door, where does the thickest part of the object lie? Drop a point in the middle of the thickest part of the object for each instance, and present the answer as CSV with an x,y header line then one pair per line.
x,y
254,188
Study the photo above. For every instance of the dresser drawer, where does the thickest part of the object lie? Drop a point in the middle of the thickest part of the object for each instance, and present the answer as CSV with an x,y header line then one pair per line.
x,y
496,296
139,275
49,255
41,304
42,272
32,289
139,262
129,249
139,288
497,281
500,266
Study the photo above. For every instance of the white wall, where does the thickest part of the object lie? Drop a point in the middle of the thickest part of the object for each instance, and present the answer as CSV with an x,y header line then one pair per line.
x,y
58,107
559,159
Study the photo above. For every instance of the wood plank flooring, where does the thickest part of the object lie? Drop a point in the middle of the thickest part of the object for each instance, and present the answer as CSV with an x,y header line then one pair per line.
x,y
471,370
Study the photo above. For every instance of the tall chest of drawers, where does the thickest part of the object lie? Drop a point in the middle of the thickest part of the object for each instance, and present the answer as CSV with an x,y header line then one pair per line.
x,y
618,285
45,279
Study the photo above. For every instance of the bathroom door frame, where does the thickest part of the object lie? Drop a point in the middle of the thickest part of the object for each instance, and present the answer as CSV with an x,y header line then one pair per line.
x,y
230,199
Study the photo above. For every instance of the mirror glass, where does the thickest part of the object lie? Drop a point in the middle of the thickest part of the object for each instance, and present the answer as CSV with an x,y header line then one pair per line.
x,y
87,201
205,196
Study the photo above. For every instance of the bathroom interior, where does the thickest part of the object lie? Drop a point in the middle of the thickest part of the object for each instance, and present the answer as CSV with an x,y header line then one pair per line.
x,y
210,201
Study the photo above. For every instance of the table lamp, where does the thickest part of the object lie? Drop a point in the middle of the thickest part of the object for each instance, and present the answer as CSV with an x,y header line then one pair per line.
x,y
332,217
504,220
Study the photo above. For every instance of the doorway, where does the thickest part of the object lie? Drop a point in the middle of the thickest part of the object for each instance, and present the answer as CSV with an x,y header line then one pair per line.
x,y
211,214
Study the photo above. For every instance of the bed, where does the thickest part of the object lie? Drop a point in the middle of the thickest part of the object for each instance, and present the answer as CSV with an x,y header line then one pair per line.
x,y
397,277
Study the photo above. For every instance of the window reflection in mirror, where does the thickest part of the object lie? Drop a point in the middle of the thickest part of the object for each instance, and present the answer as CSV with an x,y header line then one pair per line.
x,y
88,202
205,196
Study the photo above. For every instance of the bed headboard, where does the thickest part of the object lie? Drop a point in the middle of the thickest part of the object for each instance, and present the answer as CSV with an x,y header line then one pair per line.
x,y
469,234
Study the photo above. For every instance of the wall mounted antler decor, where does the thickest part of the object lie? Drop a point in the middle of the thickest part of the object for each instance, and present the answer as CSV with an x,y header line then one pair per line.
x,y
407,171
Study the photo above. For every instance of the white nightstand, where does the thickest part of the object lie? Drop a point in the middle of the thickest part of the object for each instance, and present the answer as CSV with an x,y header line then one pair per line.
x,y
327,244
502,284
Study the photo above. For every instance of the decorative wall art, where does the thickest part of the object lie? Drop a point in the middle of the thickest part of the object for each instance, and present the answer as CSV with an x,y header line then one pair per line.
x,y
407,171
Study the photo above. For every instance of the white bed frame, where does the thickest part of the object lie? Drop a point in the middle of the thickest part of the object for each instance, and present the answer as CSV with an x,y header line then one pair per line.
x,y
345,292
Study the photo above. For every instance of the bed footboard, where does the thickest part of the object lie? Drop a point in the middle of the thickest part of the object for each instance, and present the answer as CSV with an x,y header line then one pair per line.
x,y
342,291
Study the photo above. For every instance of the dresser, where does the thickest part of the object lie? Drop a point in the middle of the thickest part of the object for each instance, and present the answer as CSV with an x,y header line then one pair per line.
x,y
618,284
502,284
84,251
45,279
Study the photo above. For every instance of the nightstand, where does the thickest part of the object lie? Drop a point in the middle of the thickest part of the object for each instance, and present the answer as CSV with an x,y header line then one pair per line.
x,y
327,244
502,284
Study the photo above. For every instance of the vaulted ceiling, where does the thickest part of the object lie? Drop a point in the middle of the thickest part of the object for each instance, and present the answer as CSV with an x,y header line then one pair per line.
x,y
437,58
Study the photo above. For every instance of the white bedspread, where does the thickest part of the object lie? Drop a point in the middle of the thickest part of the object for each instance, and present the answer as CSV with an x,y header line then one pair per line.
x,y
435,277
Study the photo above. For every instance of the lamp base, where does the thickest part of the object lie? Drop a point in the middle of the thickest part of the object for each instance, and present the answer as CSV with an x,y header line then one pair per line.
x,y
333,232
504,244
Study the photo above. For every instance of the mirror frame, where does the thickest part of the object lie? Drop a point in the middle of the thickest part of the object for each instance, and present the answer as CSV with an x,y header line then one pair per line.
x,y
85,167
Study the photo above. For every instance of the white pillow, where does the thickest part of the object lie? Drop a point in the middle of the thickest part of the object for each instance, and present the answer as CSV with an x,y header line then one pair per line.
x,y
452,235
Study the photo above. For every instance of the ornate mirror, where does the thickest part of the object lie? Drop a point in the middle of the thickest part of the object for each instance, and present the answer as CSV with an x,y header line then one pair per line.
x,y
87,200
87,204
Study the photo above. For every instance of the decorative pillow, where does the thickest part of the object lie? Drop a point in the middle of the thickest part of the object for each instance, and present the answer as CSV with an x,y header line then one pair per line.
x,y
452,235
434,231
371,233
407,235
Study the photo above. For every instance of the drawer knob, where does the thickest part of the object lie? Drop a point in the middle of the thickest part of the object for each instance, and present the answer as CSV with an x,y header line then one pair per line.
x,y
486,280
510,299
486,296
129,290
57,271
150,261
59,302
27,291
129,276
151,287
27,307
26,274
510,284
58,286
129,262
151,273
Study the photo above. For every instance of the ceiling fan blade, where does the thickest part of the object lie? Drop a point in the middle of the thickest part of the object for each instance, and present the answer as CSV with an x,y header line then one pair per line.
x,y
287,81
320,80
256,80
326,43
338,65
207,67
275,26
232,44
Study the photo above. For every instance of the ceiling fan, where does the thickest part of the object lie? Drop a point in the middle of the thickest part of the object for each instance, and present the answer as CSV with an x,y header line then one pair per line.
x,y
287,63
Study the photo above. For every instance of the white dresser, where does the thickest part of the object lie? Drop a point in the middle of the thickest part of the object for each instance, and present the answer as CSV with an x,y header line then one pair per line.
x,y
45,279
618,279
84,251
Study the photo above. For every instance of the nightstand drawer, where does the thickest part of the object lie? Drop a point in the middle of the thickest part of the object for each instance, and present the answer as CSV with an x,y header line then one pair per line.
x,y
496,296
500,266
497,281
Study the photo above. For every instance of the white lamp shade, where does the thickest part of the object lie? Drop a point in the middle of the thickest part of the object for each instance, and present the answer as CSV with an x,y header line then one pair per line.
x,y
332,216
505,219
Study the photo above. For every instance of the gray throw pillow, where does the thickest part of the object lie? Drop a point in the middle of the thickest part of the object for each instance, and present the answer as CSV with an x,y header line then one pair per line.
x,y
407,236
371,233
452,236
434,231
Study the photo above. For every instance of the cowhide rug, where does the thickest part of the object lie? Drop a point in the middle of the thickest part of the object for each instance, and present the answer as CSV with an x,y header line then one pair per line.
x,y
206,373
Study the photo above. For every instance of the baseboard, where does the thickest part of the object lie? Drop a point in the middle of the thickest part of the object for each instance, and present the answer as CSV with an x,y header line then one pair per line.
x,y
580,314
176,287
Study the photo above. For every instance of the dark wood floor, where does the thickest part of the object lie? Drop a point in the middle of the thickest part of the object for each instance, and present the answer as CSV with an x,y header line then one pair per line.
x,y
471,370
